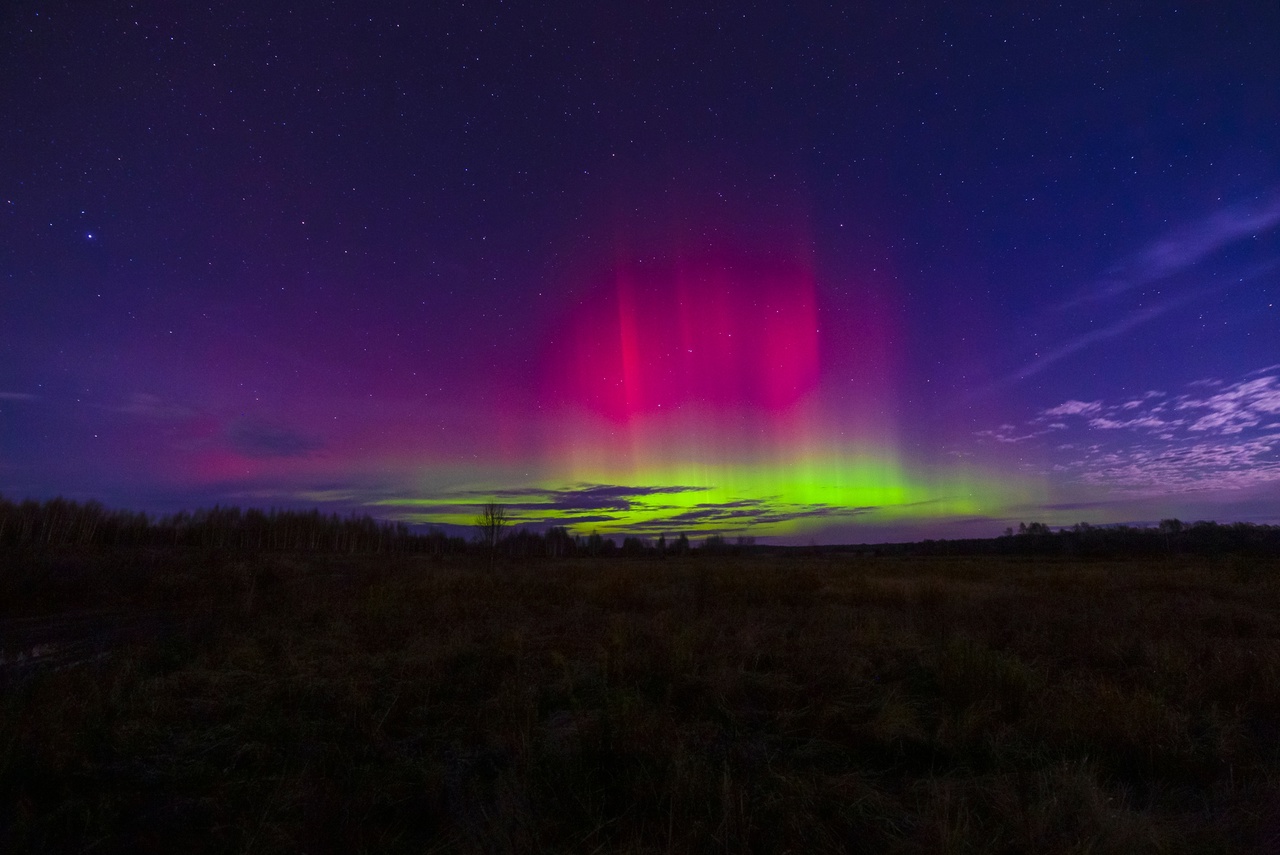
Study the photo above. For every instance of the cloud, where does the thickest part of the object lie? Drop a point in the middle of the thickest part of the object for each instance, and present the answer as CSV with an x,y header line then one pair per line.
x,y
1158,470
1172,254
1184,248
584,497
17,396
1238,407
1010,434
1141,422
565,520
576,498
1230,409
325,496
1224,438
621,509
1074,408
1119,328
260,440
739,516
1075,506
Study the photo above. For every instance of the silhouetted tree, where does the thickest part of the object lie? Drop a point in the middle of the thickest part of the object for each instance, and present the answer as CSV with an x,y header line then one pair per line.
x,y
714,545
559,543
489,525
596,545
633,546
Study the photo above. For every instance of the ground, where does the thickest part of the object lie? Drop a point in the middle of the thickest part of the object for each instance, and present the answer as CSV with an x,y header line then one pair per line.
x,y
165,702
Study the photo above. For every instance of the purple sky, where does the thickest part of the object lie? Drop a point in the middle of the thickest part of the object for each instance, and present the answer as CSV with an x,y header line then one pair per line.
x,y
814,273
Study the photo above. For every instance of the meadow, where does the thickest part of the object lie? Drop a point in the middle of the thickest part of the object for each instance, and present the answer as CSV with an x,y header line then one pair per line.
x,y
162,701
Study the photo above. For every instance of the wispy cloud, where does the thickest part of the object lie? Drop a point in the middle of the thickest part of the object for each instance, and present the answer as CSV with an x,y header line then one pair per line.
x,y
587,497
1229,408
261,440
1140,422
1120,327
1243,405
1184,248
1156,470
740,516
1177,252
1011,434
621,509
326,496
17,396
1217,435
1075,408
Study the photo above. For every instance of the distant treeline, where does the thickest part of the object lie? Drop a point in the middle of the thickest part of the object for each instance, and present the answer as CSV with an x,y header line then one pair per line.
x,y
62,523
1085,540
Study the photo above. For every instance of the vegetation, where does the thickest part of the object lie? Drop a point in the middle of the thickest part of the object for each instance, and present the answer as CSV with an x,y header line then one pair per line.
x,y
1083,539
60,523
215,700
489,525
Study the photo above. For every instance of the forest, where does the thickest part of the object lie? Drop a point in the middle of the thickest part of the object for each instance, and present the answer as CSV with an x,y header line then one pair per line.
x,y
62,523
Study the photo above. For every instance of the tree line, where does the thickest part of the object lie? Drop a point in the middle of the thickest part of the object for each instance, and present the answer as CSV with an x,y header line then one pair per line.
x,y
61,523
1170,536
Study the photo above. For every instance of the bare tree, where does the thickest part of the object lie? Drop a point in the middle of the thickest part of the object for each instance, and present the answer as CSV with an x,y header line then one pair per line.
x,y
492,519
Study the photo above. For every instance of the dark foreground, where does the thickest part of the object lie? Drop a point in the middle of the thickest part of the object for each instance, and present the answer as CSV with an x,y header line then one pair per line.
x,y
687,705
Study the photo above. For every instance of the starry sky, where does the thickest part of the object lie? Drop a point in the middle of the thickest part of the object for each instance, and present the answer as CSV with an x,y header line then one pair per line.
x,y
807,272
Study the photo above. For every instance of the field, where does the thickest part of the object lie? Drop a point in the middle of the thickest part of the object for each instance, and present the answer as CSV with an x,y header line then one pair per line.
x,y
159,702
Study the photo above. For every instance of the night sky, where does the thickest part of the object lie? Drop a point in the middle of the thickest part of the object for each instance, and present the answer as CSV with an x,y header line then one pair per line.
x,y
807,272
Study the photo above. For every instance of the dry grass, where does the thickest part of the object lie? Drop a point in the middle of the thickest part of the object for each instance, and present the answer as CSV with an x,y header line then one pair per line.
x,y
701,704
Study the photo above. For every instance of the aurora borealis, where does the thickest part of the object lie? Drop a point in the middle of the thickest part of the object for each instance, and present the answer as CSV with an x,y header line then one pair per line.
x,y
808,273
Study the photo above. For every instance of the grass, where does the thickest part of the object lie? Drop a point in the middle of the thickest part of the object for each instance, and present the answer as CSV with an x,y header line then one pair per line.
x,y
801,704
